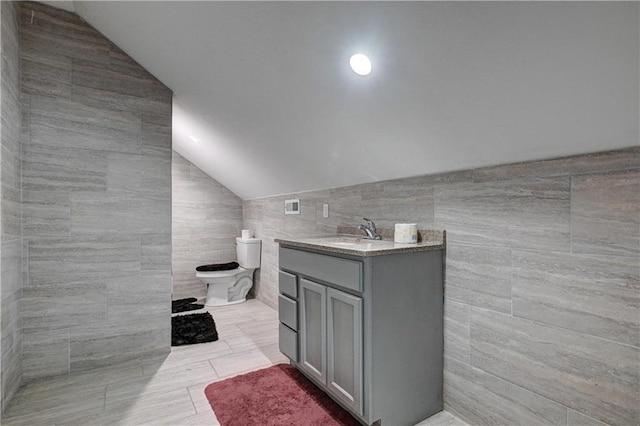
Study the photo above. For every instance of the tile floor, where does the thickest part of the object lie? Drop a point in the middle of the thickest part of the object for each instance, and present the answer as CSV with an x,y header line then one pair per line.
x,y
168,391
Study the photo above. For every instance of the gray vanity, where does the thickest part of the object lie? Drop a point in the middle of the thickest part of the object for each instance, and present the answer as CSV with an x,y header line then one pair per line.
x,y
363,320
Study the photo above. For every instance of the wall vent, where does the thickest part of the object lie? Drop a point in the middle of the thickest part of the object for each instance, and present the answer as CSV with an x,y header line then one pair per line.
x,y
292,206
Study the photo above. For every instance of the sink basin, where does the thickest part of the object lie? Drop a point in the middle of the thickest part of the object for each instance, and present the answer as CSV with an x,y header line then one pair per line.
x,y
340,240
345,241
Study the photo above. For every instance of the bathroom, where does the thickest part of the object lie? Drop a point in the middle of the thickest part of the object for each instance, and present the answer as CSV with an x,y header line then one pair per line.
x,y
103,222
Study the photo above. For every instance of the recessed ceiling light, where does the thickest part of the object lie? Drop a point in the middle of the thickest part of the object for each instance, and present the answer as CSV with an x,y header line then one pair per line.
x,y
360,64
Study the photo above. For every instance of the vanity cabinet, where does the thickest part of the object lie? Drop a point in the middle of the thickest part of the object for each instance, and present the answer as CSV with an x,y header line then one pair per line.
x,y
366,329
331,341
313,330
288,314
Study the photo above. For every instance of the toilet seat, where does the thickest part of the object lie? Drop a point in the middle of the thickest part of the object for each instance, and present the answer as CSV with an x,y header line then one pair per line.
x,y
217,267
220,274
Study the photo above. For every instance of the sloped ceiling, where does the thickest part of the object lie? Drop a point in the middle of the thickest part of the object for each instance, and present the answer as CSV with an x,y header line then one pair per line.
x,y
266,91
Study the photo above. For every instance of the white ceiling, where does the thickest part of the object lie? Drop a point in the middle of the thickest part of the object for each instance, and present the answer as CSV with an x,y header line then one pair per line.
x,y
266,89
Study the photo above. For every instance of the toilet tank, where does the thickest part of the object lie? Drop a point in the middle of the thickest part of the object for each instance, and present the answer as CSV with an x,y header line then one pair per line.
x,y
248,252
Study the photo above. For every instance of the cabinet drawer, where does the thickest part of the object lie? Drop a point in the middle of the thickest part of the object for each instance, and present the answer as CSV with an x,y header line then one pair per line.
x,y
288,312
335,270
287,284
288,342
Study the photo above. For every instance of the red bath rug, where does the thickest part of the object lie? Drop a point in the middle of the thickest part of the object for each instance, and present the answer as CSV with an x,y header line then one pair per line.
x,y
275,396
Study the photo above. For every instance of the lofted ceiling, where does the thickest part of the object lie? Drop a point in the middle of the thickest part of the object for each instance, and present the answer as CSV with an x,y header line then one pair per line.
x,y
265,102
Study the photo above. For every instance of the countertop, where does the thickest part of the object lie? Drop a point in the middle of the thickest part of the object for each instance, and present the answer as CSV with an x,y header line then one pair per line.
x,y
349,243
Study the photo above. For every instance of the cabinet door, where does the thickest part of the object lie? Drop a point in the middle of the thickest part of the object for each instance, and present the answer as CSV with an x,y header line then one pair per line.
x,y
344,348
313,329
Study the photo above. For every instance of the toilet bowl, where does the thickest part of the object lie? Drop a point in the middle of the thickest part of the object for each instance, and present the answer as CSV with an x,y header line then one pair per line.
x,y
227,286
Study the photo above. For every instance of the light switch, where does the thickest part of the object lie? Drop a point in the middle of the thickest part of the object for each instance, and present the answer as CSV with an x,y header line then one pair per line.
x,y
325,210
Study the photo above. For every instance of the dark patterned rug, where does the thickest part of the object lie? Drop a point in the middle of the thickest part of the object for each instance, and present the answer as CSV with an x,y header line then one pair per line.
x,y
184,305
194,328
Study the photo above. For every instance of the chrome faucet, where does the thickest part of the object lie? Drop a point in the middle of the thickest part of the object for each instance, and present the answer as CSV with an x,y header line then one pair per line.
x,y
370,230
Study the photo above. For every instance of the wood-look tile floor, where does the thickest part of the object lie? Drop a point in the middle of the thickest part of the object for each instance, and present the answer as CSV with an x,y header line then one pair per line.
x,y
167,391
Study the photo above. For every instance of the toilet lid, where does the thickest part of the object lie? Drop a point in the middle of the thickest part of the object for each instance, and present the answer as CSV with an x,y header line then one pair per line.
x,y
217,267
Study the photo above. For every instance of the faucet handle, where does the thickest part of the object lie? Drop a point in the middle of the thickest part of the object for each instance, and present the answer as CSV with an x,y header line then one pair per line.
x,y
370,224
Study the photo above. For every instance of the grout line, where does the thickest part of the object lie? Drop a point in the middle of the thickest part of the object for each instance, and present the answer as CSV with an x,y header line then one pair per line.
x,y
511,279
104,400
570,214
214,369
193,404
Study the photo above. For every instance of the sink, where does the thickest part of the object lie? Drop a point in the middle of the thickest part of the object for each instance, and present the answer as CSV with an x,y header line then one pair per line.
x,y
340,240
345,241
357,245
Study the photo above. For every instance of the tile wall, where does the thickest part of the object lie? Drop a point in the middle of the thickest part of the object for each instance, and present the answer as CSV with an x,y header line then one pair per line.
x,y
207,218
10,209
96,199
543,259
542,280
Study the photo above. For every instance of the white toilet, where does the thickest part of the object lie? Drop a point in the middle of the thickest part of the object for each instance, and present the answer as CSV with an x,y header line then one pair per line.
x,y
228,287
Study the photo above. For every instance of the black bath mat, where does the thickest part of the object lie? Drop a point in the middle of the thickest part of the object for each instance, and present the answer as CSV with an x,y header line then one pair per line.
x,y
194,328
184,305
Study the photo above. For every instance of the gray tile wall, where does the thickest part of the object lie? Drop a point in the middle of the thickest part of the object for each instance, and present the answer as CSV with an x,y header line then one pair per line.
x,y
96,196
542,322
207,218
10,237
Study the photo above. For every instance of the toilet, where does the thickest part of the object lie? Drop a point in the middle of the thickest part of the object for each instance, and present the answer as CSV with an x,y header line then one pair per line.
x,y
229,283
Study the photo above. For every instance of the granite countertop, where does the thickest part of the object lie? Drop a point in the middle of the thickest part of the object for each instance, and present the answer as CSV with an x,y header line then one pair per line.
x,y
348,242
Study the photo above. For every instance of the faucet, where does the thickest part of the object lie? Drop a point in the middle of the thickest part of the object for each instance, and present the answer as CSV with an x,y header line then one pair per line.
x,y
370,230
